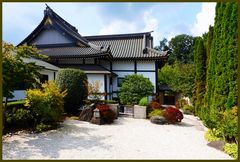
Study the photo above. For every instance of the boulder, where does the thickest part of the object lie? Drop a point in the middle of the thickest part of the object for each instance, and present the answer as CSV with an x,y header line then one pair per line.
x,y
219,145
158,120
87,113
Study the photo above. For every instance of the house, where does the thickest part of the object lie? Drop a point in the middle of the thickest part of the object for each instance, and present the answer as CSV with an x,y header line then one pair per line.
x,y
47,72
106,58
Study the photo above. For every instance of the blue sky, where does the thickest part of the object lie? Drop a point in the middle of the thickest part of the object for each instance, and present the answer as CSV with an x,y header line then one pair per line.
x,y
165,19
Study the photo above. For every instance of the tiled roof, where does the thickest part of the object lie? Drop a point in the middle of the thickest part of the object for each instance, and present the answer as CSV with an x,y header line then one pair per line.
x,y
118,46
74,52
127,46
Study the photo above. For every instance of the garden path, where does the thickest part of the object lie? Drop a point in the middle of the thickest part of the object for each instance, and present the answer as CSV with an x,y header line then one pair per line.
x,y
126,138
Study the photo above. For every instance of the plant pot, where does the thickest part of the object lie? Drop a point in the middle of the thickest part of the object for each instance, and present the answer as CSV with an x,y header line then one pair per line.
x,y
140,112
129,109
114,108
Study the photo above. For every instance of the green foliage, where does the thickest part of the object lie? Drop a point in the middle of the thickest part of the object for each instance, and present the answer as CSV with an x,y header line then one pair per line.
x,y
143,102
135,87
212,135
163,45
75,82
46,104
15,70
182,49
188,109
155,112
200,73
221,72
229,124
19,118
231,149
180,77
43,127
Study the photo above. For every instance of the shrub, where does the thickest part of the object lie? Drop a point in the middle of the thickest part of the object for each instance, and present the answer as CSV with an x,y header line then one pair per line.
x,y
143,102
75,81
181,103
231,149
212,135
187,109
172,115
46,104
43,127
19,118
102,107
229,125
156,112
135,87
107,115
154,105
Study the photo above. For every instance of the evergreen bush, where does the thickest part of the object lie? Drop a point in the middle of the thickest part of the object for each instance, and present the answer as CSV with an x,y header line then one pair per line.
x,y
75,82
135,87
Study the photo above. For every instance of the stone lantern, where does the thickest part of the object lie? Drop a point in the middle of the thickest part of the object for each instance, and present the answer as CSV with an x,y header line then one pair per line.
x,y
96,119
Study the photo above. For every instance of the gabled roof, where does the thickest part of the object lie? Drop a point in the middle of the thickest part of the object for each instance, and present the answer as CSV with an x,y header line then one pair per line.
x,y
119,46
53,20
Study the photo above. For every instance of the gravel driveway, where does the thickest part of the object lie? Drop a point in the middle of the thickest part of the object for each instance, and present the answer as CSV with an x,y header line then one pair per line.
x,y
127,138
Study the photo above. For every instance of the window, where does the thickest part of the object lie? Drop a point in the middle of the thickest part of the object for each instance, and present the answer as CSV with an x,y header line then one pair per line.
x,y
119,81
43,78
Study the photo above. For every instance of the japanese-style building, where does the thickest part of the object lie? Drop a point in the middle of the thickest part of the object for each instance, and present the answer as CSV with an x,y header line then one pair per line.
x,y
107,58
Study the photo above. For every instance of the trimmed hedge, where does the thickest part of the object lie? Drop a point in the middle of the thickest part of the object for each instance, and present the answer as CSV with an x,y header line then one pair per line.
x,y
75,82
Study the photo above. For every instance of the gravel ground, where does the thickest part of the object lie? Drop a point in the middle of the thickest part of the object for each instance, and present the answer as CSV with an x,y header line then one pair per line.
x,y
127,138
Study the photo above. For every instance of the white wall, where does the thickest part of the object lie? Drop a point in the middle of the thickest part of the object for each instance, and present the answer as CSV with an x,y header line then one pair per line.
x,y
97,77
51,36
145,65
123,65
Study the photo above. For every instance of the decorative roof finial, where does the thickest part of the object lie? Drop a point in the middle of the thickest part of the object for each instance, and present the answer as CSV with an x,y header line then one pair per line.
x,y
47,5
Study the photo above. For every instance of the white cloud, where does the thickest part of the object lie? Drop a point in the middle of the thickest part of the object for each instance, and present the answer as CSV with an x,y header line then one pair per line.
x,y
118,27
203,19
151,24
146,24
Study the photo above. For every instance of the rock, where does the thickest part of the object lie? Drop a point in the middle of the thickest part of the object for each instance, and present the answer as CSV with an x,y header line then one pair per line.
x,y
158,120
96,121
87,113
217,144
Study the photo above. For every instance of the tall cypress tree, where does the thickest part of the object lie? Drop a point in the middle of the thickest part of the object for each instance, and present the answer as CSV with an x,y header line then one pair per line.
x,y
222,64
200,73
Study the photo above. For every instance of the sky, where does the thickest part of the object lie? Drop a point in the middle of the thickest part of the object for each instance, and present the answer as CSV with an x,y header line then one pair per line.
x,y
166,20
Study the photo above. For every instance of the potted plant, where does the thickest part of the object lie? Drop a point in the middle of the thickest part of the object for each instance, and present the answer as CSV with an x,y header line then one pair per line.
x,y
140,110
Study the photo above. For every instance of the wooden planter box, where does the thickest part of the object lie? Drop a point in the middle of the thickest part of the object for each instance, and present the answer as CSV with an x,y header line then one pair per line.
x,y
114,108
140,112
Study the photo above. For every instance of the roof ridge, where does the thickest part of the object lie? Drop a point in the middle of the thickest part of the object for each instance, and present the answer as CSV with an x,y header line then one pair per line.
x,y
119,35
49,10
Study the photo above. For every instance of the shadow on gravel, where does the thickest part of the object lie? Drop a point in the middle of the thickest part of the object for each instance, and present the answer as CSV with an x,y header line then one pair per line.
x,y
184,124
50,143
